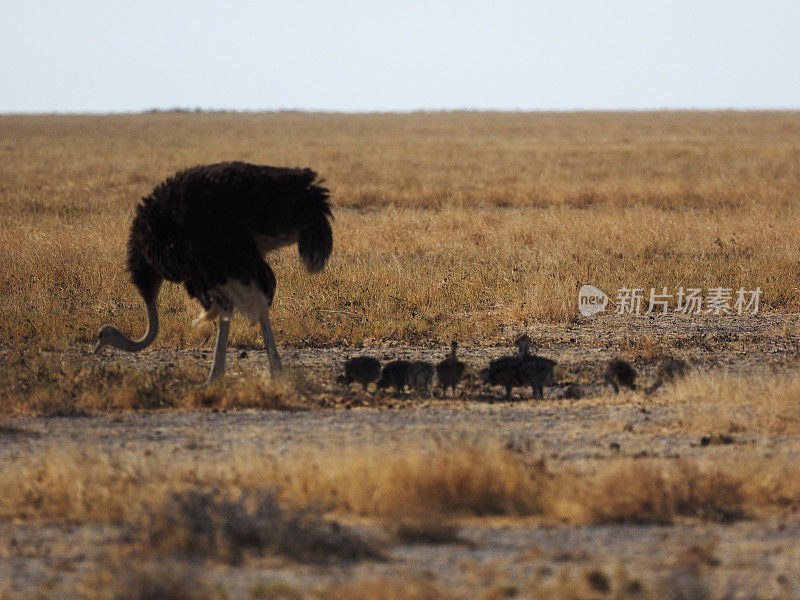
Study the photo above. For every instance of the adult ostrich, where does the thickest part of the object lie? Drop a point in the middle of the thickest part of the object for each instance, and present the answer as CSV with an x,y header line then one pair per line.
x,y
209,227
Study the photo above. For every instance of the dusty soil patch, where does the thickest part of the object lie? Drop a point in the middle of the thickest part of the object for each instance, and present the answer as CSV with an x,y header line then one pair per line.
x,y
480,555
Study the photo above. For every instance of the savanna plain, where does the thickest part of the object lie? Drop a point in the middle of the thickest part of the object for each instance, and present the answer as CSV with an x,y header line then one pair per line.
x,y
124,477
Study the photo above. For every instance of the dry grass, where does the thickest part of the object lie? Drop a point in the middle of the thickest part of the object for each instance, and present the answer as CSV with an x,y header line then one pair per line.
x,y
137,580
386,589
457,225
724,403
461,480
450,481
206,524
465,222
457,479
54,385
658,493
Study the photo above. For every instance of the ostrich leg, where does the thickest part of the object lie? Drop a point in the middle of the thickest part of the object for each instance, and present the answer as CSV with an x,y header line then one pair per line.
x,y
218,366
269,343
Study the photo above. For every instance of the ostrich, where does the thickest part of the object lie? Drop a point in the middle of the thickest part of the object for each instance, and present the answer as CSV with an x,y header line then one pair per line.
x,y
668,370
504,371
520,370
395,374
361,369
450,370
420,376
618,372
507,370
535,371
210,227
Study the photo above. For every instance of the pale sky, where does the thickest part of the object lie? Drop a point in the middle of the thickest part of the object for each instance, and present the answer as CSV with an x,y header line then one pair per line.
x,y
132,55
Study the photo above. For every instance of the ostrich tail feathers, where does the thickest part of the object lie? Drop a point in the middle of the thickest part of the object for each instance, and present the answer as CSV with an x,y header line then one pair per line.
x,y
315,243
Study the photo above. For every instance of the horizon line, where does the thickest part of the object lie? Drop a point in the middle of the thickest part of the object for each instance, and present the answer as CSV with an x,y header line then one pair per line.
x,y
325,111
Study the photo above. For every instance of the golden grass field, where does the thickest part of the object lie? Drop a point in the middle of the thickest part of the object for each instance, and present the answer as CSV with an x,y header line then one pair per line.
x,y
467,226
450,224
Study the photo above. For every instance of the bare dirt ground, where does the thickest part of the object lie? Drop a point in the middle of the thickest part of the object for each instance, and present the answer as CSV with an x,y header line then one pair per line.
x,y
754,557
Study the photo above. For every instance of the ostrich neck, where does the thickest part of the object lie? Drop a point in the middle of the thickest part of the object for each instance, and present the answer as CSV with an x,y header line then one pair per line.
x,y
123,342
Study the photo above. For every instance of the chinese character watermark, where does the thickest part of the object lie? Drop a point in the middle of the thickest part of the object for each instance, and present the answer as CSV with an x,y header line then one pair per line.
x,y
687,301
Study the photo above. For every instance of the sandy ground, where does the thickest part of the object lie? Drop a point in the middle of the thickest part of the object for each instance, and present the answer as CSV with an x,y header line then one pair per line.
x,y
757,556
756,344
751,558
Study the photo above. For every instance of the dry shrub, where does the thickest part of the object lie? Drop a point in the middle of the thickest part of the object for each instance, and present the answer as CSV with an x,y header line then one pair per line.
x,y
386,589
411,486
657,493
204,523
134,580
409,482
291,390
163,499
729,403
431,528
49,384
453,479
647,347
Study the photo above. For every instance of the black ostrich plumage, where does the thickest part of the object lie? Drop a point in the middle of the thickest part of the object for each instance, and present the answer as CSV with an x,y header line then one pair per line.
x,y
209,224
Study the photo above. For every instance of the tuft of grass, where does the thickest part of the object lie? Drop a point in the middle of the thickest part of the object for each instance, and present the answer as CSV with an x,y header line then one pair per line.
x,y
638,492
431,528
47,384
648,347
729,403
386,589
201,523
137,580
457,479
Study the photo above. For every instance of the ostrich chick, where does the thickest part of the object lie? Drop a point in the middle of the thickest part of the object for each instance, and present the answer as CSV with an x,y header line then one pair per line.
x,y
535,371
505,371
618,372
395,375
450,370
361,369
420,376
668,370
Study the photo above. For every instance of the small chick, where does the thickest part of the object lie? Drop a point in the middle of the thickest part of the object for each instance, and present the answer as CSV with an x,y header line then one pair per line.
x,y
395,375
535,371
505,371
618,372
450,370
668,370
420,376
361,369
